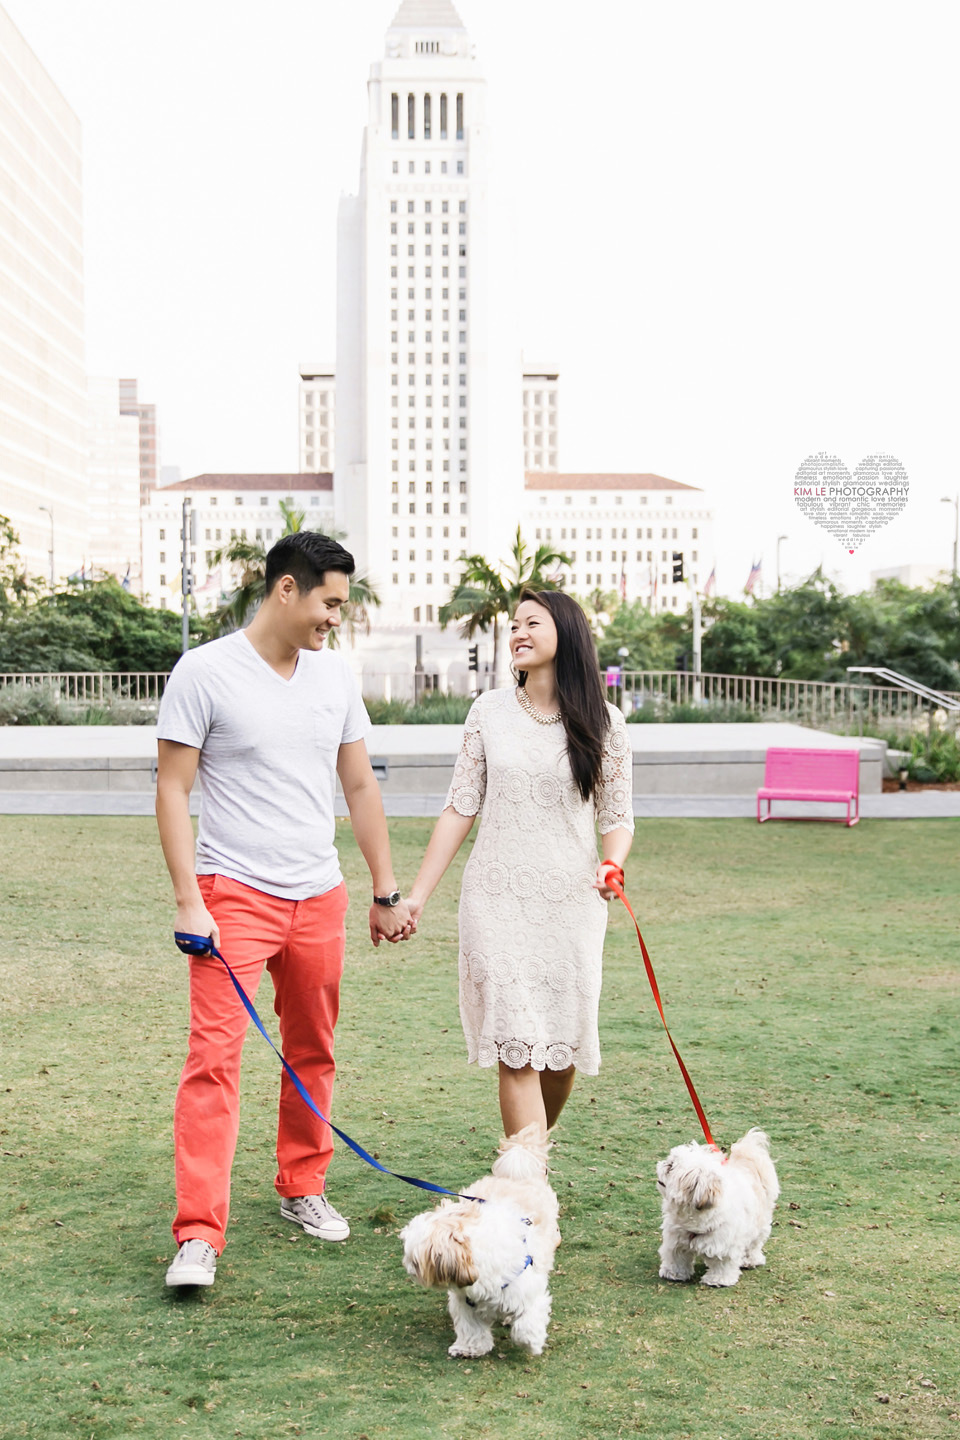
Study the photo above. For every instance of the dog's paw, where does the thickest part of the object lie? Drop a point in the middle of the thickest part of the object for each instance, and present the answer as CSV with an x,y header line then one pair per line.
x,y
720,1280
675,1272
468,1352
751,1262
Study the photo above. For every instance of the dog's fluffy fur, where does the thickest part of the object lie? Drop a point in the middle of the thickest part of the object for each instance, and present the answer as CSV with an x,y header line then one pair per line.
x,y
478,1253
716,1210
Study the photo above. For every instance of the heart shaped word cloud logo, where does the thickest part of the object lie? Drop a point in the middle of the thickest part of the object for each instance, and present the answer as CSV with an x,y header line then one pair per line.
x,y
851,508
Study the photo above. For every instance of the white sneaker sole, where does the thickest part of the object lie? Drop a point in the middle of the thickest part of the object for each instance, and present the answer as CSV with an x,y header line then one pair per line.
x,y
317,1231
190,1275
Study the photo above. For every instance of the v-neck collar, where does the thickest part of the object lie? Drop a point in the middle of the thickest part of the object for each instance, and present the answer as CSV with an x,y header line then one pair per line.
x,y
282,680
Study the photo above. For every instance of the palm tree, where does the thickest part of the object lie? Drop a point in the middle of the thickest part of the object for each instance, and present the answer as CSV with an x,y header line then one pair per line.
x,y
252,556
485,594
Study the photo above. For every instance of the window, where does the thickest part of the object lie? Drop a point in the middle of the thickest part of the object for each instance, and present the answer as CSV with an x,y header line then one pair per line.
x,y
395,119
668,499
238,499
673,534
426,117
163,557
163,534
459,167
411,118
416,609
693,535
264,500
443,117
459,117
163,579
693,556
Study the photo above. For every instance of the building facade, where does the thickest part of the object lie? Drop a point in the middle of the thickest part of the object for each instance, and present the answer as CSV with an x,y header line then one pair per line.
x,y
429,462
621,533
541,395
318,417
114,485
43,388
146,415
221,508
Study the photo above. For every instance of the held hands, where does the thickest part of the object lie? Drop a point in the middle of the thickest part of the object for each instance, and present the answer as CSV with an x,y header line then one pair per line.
x,y
391,922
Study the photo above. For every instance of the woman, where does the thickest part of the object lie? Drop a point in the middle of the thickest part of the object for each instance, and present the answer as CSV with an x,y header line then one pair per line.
x,y
547,762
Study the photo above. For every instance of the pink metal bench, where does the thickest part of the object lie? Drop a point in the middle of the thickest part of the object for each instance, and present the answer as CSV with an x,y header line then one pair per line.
x,y
832,775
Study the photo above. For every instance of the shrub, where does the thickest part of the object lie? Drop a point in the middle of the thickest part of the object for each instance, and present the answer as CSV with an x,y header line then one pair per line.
x,y
31,705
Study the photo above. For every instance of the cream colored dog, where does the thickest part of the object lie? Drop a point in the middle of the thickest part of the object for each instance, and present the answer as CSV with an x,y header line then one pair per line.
x,y
716,1209
493,1259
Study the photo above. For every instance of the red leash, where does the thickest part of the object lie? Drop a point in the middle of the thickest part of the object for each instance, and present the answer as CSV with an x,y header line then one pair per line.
x,y
615,882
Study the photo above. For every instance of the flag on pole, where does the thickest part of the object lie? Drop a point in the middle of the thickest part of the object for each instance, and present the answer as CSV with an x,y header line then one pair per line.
x,y
125,582
753,577
623,581
711,584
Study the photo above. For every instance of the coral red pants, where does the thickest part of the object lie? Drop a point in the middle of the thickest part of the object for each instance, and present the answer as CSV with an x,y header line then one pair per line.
x,y
301,942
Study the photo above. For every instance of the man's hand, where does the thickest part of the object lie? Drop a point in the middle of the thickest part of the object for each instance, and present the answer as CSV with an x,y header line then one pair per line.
x,y
194,918
391,922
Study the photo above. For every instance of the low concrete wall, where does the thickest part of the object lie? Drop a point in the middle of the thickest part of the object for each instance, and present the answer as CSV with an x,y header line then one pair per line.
x,y
419,759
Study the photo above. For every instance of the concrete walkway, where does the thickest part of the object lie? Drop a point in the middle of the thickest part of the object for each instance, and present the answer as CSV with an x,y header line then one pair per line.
x,y
910,805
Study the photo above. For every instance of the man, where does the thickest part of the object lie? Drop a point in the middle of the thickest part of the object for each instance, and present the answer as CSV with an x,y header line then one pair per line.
x,y
268,716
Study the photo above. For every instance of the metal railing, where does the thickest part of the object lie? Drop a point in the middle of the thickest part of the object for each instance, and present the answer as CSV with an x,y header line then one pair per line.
x,y
818,703
92,687
821,704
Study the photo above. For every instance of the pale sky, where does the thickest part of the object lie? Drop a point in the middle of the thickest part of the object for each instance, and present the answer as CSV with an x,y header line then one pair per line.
x,y
737,232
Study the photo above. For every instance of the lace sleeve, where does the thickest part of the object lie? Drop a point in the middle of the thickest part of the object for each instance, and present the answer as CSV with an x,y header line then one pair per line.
x,y
469,783
614,799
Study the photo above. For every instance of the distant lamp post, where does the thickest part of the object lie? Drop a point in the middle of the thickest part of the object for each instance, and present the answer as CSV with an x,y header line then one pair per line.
x,y
946,500
52,566
779,538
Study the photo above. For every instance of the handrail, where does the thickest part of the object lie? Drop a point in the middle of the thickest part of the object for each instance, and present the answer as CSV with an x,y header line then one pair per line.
x,y
938,697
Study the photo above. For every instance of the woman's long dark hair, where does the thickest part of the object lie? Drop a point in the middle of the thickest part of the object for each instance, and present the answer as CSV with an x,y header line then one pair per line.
x,y
580,692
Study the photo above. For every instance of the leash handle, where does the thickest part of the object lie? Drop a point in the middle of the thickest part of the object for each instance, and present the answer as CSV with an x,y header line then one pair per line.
x,y
614,880
203,945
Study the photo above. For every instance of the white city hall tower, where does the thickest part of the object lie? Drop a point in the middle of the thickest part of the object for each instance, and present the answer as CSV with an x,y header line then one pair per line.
x,y
429,455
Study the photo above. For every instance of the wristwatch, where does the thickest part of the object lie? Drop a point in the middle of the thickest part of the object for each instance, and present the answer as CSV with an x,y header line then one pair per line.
x,y
392,899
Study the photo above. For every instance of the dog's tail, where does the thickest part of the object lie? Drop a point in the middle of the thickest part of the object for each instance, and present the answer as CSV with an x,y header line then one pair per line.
x,y
753,1152
523,1156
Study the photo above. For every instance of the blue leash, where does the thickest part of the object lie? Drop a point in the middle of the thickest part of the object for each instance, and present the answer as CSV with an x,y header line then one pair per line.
x,y
203,945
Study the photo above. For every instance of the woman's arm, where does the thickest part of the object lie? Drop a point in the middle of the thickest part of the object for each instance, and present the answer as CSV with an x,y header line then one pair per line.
x,y
448,835
616,847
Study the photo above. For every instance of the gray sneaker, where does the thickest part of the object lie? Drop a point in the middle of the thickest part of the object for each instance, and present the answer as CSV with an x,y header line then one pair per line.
x,y
316,1215
195,1263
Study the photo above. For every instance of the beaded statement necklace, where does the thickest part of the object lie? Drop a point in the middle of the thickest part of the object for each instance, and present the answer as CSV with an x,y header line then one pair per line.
x,y
532,710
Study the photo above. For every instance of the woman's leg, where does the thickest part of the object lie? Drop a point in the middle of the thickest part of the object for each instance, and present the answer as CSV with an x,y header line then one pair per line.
x,y
555,1087
521,1099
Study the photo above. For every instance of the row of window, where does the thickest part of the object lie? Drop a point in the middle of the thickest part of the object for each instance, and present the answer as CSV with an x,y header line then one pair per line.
x,y
412,168
427,579
428,507
596,533
212,501
426,111
428,210
428,532
617,499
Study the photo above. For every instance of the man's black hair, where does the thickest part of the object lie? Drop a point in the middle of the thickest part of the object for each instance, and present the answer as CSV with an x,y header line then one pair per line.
x,y
307,556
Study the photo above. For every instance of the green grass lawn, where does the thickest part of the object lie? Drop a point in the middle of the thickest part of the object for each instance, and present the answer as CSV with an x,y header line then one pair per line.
x,y
810,975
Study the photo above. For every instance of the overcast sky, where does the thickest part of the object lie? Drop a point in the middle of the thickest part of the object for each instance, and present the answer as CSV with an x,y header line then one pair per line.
x,y
737,227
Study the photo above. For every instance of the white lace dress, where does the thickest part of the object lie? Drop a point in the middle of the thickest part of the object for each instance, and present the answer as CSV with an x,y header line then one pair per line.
x,y
531,923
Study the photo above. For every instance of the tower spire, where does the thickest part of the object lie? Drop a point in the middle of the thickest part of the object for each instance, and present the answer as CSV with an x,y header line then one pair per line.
x,y
427,15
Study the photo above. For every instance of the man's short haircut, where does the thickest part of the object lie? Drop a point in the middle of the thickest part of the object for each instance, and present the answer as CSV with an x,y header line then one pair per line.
x,y
307,556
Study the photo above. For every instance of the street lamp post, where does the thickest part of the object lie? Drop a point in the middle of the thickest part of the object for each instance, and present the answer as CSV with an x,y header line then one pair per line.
x,y
52,566
779,538
946,500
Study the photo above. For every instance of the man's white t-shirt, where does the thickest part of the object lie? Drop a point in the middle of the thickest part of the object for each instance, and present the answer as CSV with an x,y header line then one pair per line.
x,y
268,756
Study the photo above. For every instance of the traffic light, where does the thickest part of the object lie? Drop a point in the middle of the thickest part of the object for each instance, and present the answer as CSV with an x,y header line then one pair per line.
x,y
474,658
678,567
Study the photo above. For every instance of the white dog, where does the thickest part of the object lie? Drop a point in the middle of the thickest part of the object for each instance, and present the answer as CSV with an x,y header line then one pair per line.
x,y
716,1208
494,1258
